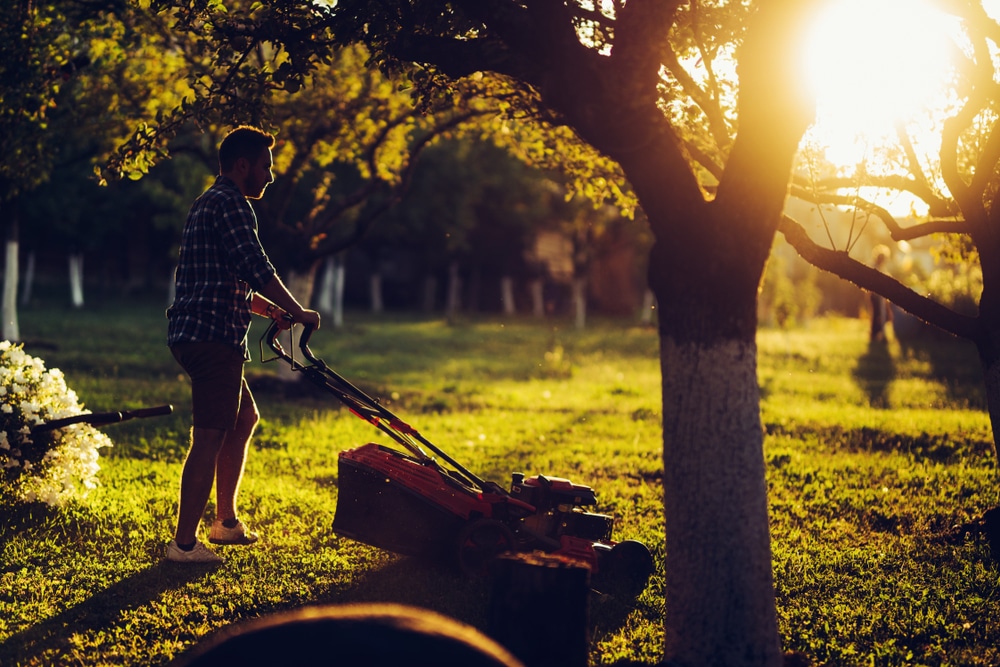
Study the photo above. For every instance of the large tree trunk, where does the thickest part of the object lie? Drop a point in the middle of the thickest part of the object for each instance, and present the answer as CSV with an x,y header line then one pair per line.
x,y
719,587
721,603
705,270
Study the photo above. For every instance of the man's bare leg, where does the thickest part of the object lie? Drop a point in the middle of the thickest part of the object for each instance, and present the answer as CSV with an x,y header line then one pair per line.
x,y
232,457
196,481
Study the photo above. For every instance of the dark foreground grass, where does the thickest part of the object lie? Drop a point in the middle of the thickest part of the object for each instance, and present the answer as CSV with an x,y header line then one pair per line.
x,y
874,457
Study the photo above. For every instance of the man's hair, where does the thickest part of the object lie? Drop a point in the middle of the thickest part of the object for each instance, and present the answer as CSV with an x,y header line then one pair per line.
x,y
244,141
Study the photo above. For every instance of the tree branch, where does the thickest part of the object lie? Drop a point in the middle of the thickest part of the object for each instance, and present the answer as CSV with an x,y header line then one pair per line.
x,y
896,231
841,264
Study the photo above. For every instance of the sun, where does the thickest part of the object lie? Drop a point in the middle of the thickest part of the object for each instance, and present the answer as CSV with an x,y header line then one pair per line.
x,y
873,63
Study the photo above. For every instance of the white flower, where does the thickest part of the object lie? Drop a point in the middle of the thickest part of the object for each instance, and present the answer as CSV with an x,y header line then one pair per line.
x,y
69,464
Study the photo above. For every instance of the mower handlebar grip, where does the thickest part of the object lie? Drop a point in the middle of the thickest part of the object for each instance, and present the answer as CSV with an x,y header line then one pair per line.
x,y
307,332
271,335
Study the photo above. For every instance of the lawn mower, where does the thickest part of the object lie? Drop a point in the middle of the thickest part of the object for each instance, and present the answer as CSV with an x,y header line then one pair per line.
x,y
415,504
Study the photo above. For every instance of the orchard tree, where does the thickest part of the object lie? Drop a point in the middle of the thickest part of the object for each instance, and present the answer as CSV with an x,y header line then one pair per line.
x,y
646,84
699,104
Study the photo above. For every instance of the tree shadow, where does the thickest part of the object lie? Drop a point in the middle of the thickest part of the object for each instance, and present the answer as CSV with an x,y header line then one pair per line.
x,y
874,372
128,594
954,361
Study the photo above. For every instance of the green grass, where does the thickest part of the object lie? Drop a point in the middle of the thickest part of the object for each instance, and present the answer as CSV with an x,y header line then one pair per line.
x,y
874,456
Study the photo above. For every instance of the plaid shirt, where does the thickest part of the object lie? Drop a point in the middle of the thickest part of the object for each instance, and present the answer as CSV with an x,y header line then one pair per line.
x,y
221,263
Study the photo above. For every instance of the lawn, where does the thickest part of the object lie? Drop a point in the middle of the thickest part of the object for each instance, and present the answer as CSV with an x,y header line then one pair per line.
x,y
875,456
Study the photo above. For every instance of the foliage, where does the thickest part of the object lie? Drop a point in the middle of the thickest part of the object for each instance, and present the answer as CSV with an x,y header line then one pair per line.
x,y
37,58
76,76
50,466
348,143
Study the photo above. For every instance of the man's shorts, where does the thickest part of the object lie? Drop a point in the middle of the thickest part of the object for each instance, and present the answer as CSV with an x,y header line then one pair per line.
x,y
216,372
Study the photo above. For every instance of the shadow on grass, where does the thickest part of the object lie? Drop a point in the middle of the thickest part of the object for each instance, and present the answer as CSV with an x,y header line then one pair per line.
x,y
874,372
954,362
94,613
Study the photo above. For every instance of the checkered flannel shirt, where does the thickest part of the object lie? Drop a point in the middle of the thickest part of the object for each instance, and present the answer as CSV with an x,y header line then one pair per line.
x,y
221,264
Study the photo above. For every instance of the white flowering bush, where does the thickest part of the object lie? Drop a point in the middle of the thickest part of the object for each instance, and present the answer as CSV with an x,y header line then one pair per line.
x,y
51,466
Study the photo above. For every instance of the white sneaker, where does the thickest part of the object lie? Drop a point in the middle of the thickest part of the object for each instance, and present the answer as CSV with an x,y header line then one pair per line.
x,y
199,554
238,534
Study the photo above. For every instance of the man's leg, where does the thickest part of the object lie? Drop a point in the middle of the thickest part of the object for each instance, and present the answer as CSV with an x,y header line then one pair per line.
x,y
232,457
196,480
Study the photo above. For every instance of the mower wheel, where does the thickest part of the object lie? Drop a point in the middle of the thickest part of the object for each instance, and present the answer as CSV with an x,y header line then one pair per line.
x,y
625,570
480,542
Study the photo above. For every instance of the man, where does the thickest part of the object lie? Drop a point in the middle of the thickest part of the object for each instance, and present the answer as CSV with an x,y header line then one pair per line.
x,y
223,275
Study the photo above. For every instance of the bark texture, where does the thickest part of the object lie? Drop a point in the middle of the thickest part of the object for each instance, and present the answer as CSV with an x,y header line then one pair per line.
x,y
720,589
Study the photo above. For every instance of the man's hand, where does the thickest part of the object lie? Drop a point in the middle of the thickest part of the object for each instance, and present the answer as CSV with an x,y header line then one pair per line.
x,y
276,292
308,318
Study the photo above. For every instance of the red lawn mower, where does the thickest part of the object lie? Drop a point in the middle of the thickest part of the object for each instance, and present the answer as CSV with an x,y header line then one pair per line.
x,y
411,503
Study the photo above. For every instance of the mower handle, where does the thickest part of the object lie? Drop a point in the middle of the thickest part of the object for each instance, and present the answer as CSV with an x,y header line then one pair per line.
x,y
271,336
102,418
307,332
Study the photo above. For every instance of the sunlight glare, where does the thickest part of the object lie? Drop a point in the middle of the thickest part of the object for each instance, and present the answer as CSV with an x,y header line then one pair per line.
x,y
872,63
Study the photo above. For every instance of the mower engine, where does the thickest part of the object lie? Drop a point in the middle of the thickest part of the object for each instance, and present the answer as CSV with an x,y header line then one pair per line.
x,y
558,507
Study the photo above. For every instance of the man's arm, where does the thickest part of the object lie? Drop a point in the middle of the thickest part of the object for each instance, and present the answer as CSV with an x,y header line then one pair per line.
x,y
275,292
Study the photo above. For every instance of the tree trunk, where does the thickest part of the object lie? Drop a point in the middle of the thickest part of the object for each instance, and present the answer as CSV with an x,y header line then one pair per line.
x,y
28,281
718,572
580,302
76,279
454,292
721,603
375,289
472,294
430,290
991,375
330,296
11,331
648,307
538,298
507,295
